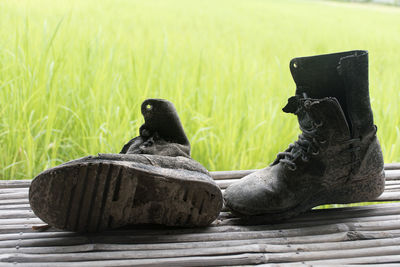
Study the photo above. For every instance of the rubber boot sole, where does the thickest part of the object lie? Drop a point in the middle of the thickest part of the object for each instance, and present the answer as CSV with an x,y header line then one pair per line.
x,y
98,195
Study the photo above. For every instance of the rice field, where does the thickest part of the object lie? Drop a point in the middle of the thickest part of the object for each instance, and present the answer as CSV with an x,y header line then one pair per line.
x,y
74,73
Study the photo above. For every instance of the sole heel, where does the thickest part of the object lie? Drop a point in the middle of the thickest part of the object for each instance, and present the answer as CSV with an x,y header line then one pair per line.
x,y
360,190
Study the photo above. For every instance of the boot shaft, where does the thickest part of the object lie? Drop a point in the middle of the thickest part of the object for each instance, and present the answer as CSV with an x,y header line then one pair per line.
x,y
161,116
340,75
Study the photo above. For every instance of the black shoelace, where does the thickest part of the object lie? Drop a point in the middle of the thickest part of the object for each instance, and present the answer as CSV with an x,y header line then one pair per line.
x,y
308,144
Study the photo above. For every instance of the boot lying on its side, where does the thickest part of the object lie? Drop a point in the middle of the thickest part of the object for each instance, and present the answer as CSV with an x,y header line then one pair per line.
x,y
153,180
337,158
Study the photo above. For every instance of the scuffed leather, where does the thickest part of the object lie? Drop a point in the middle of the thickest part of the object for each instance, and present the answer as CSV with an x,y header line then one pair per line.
x,y
332,94
161,134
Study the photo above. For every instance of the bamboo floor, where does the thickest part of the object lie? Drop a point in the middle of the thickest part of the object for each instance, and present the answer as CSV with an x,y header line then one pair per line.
x,y
336,236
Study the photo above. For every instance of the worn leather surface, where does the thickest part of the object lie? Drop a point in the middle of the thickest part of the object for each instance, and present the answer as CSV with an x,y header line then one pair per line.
x,y
161,134
337,159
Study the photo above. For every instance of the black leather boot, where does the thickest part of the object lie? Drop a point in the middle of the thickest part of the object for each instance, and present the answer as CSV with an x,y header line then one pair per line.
x,y
153,180
337,158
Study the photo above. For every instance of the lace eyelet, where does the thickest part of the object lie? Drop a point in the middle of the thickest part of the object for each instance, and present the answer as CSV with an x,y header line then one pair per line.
x,y
307,104
322,141
147,144
292,168
318,124
315,153
305,159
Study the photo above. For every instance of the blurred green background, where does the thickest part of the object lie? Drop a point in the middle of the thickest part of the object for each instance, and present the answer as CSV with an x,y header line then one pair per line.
x,y
74,73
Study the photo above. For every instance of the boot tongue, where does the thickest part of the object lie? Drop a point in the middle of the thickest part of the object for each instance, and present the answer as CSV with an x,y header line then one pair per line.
x,y
295,106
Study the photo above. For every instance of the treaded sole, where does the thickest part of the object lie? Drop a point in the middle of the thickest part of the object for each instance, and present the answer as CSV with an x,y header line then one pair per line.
x,y
94,196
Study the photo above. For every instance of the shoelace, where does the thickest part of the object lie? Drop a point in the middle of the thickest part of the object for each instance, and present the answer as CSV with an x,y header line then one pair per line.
x,y
306,145
309,144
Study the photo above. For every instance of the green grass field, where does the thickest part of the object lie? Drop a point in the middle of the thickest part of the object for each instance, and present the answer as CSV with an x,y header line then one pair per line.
x,y
74,73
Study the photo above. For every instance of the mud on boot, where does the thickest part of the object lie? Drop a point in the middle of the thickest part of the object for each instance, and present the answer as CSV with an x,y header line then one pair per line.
x,y
152,181
337,158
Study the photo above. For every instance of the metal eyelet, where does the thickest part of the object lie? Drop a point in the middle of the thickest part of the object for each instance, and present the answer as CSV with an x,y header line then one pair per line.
x,y
318,124
144,132
307,104
305,159
322,141
147,144
315,153
292,168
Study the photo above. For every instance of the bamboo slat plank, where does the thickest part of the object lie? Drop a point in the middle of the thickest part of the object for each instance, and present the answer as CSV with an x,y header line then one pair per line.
x,y
14,183
185,261
391,175
17,195
371,259
392,166
221,175
392,182
395,187
332,254
21,221
14,190
36,235
15,207
389,196
14,201
12,214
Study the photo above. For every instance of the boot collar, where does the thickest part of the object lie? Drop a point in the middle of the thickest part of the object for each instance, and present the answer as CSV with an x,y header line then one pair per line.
x,y
321,74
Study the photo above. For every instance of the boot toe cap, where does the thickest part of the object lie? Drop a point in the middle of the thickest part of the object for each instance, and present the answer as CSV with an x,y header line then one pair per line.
x,y
249,196
262,192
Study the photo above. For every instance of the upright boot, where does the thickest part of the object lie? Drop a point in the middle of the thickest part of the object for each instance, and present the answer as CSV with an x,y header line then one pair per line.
x,y
153,180
337,158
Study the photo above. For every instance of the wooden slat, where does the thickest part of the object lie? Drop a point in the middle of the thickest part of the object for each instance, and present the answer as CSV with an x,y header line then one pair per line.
x,y
248,258
221,175
14,183
392,166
